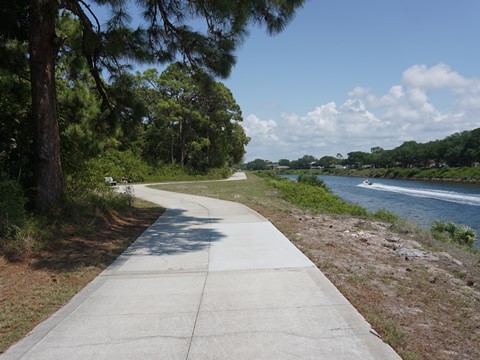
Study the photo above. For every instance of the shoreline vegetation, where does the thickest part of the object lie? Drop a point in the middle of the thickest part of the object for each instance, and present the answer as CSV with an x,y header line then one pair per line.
x,y
467,175
420,292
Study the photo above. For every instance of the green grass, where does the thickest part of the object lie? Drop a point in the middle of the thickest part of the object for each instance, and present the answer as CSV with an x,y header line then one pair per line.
x,y
266,187
253,192
317,199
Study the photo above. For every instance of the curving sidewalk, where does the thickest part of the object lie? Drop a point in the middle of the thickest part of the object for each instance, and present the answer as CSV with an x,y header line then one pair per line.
x,y
210,279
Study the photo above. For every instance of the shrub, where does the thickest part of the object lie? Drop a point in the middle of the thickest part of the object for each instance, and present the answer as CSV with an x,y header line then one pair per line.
x,y
12,202
26,239
465,235
20,234
460,234
310,179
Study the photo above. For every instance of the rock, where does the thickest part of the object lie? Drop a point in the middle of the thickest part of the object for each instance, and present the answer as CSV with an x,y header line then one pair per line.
x,y
410,253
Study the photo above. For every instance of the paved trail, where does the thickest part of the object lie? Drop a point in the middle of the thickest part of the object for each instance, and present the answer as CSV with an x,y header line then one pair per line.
x,y
210,279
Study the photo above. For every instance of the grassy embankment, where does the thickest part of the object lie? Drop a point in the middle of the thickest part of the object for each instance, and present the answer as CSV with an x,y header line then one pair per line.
x,y
463,174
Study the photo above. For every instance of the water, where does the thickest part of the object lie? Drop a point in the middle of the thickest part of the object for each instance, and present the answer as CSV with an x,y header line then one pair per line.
x,y
420,202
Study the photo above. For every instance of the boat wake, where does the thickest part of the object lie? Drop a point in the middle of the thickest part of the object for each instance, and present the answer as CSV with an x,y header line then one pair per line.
x,y
452,196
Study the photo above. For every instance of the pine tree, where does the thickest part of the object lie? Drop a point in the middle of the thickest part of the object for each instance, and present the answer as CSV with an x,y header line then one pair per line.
x,y
167,33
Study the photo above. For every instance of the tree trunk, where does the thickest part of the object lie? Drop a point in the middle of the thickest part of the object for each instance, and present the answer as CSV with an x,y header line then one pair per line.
x,y
182,143
49,175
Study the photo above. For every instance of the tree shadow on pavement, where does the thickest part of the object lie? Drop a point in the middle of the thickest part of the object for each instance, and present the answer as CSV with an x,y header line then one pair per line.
x,y
174,232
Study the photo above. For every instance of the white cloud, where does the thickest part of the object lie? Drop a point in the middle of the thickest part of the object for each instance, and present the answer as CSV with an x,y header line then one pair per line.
x,y
262,128
263,134
364,120
324,116
438,76
358,91
418,98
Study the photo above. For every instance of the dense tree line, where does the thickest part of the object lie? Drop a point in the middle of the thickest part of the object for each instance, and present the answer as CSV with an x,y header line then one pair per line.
x,y
459,149
180,116
190,120
68,94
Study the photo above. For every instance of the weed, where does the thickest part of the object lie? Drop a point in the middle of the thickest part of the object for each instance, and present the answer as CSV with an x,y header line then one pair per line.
x,y
410,355
392,334
21,234
385,215
403,226
325,265
357,279
459,274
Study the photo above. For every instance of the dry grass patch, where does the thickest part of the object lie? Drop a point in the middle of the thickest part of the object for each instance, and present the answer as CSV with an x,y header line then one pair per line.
x,y
37,285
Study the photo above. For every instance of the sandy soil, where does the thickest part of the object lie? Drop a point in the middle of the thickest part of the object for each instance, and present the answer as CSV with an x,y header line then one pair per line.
x,y
422,300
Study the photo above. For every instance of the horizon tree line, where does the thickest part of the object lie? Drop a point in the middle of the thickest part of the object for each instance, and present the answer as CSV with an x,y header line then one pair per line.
x,y
456,150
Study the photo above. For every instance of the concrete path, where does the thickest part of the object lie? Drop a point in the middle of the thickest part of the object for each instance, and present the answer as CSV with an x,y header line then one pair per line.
x,y
209,280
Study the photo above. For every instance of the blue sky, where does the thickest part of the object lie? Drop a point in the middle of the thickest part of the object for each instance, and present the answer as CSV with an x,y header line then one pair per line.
x,y
348,75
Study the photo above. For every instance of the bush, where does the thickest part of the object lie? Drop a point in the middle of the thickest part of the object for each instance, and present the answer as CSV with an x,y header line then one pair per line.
x,y
460,234
465,235
119,164
12,203
310,179
20,234
26,239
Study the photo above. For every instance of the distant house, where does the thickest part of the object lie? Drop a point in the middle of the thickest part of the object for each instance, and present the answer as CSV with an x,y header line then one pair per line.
x,y
281,167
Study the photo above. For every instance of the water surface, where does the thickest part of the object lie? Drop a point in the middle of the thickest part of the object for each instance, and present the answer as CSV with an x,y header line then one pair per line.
x,y
418,201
